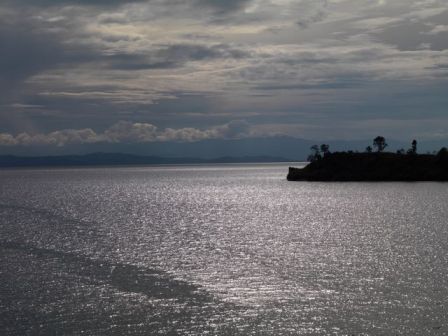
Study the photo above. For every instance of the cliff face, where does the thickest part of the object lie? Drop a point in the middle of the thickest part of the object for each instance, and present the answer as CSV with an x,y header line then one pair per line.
x,y
373,167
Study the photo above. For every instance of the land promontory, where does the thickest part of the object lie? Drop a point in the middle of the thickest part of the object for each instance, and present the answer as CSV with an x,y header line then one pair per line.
x,y
374,166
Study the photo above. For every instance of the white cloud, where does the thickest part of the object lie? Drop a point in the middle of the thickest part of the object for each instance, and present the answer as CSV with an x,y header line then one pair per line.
x,y
57,138
438,29
127,132
7,139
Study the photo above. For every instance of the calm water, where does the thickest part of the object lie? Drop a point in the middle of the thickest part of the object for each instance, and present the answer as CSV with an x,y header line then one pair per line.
x,y
219,250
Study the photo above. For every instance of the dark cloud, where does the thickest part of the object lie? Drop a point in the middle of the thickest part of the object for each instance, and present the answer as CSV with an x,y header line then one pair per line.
x,y
223,5
410,36
29,48
315,18
171,56
440,66
136,62
58,3
25,52
440,19
219,6
318,16
320,86
186,52
86,64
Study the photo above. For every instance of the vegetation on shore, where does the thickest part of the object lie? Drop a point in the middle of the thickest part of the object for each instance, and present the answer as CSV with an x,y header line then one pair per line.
x,y
373,165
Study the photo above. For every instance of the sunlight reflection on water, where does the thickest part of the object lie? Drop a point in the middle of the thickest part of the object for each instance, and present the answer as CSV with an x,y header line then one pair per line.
x,y
232,249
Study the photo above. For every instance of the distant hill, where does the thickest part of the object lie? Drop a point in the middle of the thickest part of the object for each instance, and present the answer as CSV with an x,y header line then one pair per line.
x,y
285,147
290,148
112,159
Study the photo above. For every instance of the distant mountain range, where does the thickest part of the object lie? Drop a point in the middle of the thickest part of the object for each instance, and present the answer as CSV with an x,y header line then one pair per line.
x,y
113,159
286,147
235,150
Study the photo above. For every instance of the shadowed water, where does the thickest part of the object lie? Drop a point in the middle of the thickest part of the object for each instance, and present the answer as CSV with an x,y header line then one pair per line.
x,y
232,249
51,292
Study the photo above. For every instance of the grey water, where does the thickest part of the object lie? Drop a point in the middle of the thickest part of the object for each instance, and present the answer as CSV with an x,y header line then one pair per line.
x,y
219,250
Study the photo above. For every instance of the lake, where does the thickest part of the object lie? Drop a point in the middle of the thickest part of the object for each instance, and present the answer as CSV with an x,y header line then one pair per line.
x,y
219,250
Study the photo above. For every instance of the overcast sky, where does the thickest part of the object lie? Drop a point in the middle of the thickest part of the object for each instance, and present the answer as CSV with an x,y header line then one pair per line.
x,y
87,71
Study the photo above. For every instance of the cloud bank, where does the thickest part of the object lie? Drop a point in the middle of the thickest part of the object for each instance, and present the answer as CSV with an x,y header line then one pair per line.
x,y
315,66
127,132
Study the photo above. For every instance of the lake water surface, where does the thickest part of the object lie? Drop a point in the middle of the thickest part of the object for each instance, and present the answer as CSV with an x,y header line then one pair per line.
x,y
219,250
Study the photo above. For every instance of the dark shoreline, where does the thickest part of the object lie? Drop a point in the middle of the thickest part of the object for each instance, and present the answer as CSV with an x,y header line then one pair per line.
x,y
373,167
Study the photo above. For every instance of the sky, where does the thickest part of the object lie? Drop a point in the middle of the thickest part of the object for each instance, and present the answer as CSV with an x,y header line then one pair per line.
x,y
82,72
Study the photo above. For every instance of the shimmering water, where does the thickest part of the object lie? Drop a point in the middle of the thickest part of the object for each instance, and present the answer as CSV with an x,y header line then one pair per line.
x,y
219,250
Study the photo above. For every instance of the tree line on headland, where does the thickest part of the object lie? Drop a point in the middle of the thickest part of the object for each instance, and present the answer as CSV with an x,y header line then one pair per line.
x,y
379,144
374,164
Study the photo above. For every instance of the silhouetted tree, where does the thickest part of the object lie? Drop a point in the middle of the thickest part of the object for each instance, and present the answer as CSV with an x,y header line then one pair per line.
x,y
413,149
442,156
414,146
379,143
369,149
325,149
401,151
443,151
315,153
